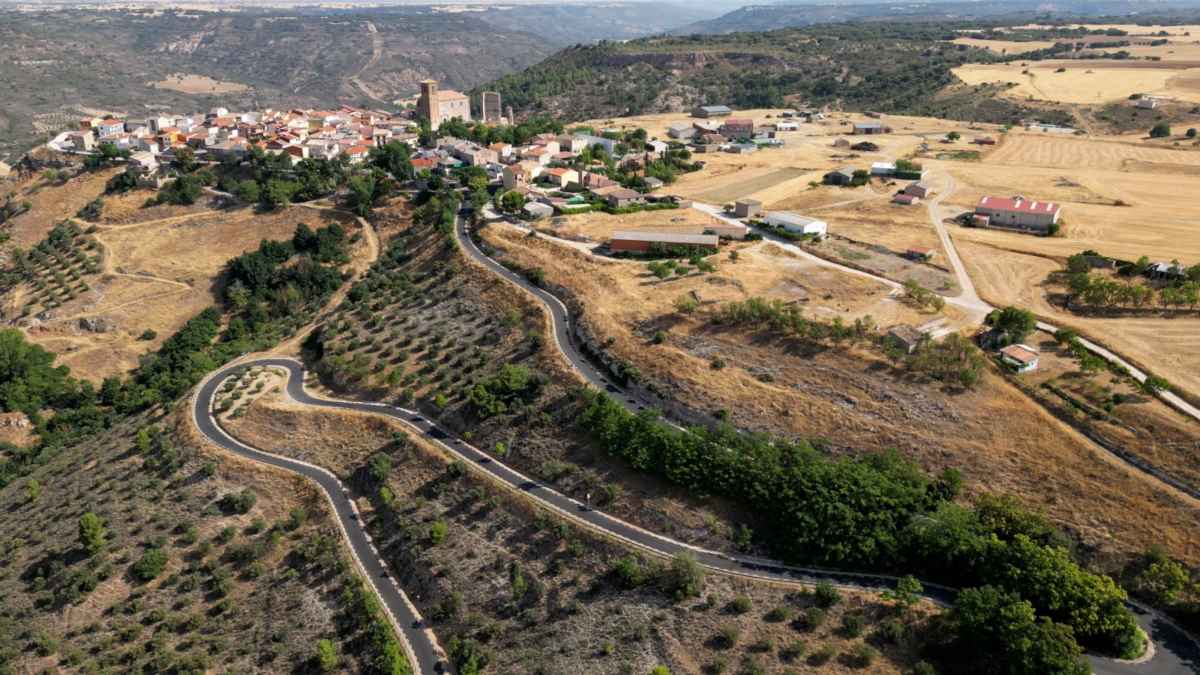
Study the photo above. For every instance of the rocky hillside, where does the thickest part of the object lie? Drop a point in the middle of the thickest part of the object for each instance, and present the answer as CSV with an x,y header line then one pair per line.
x,y
762,17
899,68
60,65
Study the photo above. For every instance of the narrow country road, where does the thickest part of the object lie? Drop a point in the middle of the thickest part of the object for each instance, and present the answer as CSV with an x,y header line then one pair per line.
x,y
1174,652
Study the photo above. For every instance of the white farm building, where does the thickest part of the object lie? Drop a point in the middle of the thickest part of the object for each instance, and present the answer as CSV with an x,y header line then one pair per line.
x,y
796,223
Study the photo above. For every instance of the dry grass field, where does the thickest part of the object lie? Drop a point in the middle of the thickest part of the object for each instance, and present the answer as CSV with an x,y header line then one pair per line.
x,y
1089,176
626,294
51,202
598,627
197,84
599,227
155,275
778,175
1167,347
1090,82
1000,439
1005,46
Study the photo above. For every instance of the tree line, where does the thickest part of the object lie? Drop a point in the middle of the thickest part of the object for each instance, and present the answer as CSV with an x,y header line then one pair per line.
x,y
879,512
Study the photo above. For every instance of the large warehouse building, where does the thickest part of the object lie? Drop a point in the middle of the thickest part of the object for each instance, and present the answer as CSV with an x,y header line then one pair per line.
x,y
1016,213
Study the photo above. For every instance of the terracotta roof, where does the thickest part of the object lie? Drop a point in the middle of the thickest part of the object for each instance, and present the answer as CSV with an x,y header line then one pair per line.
x,y
1020,353
1017,205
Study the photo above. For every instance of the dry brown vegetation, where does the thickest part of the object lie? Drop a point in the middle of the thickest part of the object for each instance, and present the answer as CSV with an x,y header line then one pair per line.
x,y
214,602
1001,440
159,267
51,202
566,596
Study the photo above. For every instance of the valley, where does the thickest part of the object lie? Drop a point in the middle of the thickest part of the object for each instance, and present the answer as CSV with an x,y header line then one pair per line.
x,y
862,346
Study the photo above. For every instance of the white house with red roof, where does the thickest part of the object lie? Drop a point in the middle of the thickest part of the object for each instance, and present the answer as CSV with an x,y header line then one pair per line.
x,y
1017,213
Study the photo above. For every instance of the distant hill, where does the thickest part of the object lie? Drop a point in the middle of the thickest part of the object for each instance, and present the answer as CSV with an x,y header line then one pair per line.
x,y
58,64
889,67
793,15
566,24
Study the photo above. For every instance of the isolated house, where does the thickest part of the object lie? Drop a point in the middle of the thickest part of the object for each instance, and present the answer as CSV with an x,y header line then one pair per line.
x,y
918,189
1021,357
905,199
905,336
868,128
883,169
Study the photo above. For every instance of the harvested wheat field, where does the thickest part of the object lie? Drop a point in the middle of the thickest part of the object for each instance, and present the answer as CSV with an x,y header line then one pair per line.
x,y
994,434
1004,46
154,276
1089,81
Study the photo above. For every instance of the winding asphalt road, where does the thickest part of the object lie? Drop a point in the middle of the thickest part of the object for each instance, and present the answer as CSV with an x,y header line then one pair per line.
x,y
1175,653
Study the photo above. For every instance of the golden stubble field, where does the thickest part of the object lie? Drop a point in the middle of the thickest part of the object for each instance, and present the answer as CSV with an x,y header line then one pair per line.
x,y
1089,81
1000,439
1089,176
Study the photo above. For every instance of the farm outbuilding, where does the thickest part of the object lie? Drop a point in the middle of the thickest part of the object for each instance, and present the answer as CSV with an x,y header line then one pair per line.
x,y
1017,213
796,223
644,241
747,208
839,177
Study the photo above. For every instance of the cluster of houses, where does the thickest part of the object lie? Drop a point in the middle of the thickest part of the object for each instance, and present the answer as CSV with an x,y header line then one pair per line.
x,y
220,134
543,168
715,129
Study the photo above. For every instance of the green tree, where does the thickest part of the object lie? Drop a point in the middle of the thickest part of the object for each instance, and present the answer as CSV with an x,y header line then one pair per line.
x,y
327,656
248,192
185,160
997,632
953,136
512,202
1015,322
92,534
907,592
1191,133
150,565
1160,130
684,578
279,192
33,489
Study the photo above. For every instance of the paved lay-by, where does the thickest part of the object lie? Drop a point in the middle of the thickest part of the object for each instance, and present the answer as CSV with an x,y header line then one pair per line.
x,y
1175,652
